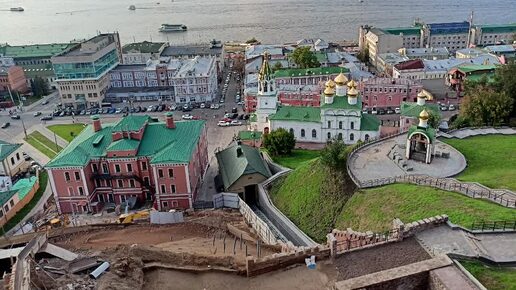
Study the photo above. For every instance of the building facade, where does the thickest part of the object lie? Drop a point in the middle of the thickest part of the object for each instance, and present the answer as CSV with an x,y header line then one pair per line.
x,y
388,92
13,78
491,34
136,158
82,71
141,52
13,162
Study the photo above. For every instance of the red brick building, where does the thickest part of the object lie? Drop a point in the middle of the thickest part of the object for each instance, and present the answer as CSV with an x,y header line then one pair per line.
x,y
13,78
389,92
137,157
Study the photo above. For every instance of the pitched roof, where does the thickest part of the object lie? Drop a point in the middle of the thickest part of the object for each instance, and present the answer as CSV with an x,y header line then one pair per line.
x,y
412,109
296,72
498,28
142,47
303,114
369,123
232,166
341,103
7,148
471,68
249,135
22,187
35,50
410,64
131,123
429,131
159,143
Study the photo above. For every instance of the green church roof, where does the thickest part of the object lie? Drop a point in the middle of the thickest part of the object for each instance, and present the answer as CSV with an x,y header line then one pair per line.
x,y
303,114
412,109
232,166
369,123
341,103
296,72
163,145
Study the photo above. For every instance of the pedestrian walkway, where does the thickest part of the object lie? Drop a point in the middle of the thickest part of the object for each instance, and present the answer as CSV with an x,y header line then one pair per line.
x,y
468,132
49,134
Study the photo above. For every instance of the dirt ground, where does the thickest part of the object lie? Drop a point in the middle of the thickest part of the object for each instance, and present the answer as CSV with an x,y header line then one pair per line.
x,y
298,277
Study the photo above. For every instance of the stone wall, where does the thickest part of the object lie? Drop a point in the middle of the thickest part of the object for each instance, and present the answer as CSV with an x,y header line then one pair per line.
x,y
259,226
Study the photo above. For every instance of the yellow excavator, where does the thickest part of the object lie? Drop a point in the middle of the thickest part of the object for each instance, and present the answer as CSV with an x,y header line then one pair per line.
x,y
129,218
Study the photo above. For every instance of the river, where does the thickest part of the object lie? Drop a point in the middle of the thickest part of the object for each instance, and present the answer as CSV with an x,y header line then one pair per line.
x,y
271,21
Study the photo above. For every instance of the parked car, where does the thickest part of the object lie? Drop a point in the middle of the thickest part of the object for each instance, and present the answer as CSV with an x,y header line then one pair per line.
x,y
36,114
241,103
364,111
234,110
118,111
187,108
187,117
381,112
56,113
374,111
444,108
26,156
397,110
223,124
227,120
44,102
150,107
138,109
246,117
390,111
5,125
236,123
451,108
161,108
221,100
47,118
15,117
83,112
203,105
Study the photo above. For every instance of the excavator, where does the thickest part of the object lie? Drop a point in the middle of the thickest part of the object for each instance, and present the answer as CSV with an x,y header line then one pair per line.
x,y
129,218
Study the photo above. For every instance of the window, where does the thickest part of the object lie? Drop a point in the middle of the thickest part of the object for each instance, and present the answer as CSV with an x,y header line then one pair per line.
x,y
352,125
351,137
122,198
131,183
94,168
1,213
165,204
120,183
77,175
314,133
163,189
11,203
6,208
329,124
117,167
67,176
70,191
12,160
105,168
367,137
340,136
173,188
129,167
97,183
17,156
81,191
291,131
160,173
329,135
144,165
303,133
340,124
170,172
146,181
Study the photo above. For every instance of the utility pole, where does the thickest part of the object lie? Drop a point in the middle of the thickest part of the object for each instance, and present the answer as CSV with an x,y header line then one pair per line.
x,y
10,94
55,140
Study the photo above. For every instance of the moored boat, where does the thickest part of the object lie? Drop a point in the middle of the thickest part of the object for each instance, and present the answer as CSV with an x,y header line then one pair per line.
x,y
172,27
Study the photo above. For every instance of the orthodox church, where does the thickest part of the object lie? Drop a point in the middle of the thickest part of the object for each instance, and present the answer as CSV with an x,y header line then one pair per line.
x,y
339,116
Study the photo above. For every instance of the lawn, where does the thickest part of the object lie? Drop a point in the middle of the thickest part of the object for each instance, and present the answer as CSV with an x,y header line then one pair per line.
x,y
491,160
374,209
310,198
297,157
40,147
45,141
43,177
493,278
65,131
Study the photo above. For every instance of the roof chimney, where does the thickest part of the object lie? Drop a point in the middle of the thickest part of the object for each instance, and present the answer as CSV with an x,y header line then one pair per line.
x,y
239,151
96,123
169,120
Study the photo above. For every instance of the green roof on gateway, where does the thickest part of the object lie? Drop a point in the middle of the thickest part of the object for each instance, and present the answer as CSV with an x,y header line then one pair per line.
x,y
34,51
160,144
303,114
296,72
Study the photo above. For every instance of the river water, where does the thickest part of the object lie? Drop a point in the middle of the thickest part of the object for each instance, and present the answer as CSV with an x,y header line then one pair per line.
x,y
271,21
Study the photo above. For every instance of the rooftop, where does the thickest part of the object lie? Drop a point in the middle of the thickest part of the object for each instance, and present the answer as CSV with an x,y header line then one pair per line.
x,y
175,51
498,28
232,165
7,148
475,68
249,135
429,131
341,103
258,50
410,64
143,47
199,66
90,46
369,123
35,50
412,109
403,30
296,72
501,48
22,187
449,27
303,114
425,51
160,144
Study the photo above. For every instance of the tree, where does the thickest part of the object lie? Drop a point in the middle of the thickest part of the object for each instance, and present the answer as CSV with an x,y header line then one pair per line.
x,y
279,142
434,120
39,86
277,66
484,106
303,57
252,41
505,82
335,155
363,55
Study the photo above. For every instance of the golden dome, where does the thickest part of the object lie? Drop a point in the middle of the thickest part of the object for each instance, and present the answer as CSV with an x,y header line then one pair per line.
x,y
341,79
424,115
352,84
330,84
421,95
329,91
352,92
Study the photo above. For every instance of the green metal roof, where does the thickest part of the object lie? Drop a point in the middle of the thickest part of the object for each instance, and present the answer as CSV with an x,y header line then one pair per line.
x,y
34,51
471,68
124,145
142,47
303,114
161,144
282,73
7,148
5,196
131,123
411,109
404,30
498,28
22,187
321,57
477,77
232,166
429,131
369,123
249,135
341,103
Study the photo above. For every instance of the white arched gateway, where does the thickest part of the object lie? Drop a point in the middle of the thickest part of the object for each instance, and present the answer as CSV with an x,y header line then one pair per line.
x,y
420,140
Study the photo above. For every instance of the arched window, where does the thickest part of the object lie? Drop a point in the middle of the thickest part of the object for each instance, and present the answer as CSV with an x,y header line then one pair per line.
x,y
291,131
340,136
340,125
367,137
329,135
351,137
329,124
314,133
352,125
303,133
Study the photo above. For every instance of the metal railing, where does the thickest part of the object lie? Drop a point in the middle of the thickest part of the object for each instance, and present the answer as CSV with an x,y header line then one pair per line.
x,y
491,226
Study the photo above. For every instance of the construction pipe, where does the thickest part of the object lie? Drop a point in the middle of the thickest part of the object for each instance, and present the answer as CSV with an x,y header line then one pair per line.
x,y
100,269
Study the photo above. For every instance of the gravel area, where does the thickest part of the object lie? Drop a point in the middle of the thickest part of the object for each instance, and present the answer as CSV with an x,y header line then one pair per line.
x,y
379,258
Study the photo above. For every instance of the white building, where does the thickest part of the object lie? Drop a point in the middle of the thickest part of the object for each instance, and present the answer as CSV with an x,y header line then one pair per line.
x,y
141,52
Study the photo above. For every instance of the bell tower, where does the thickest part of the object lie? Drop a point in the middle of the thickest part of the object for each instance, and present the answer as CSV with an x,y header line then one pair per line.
x,y
266,99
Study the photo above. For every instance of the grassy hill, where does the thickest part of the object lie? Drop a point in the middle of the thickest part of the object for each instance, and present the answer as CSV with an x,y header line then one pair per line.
x,y
491,160
493,278
374,209
298,157
311,198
